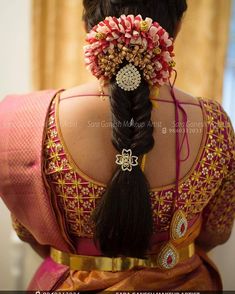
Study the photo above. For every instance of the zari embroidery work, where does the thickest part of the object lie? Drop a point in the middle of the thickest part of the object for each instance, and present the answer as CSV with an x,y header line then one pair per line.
x,y
77,196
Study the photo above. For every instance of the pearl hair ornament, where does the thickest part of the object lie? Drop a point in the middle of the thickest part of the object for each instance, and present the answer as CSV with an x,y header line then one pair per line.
x,y
128,78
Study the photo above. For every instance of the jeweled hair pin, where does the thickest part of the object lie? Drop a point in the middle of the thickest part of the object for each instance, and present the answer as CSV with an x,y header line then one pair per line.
x,y
126,160
128,78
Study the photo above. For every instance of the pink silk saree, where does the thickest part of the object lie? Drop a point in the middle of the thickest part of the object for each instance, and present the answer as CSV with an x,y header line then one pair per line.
x,y
26,194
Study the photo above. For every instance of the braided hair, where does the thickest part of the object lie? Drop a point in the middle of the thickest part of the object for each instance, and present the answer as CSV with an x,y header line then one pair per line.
x,y
123,216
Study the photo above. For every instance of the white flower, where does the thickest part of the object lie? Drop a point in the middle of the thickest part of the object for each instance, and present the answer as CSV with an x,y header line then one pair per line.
x,y
149,21
103,30
153,33
167,56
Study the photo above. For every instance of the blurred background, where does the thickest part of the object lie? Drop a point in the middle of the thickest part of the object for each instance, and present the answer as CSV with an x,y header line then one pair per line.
x,y
42,47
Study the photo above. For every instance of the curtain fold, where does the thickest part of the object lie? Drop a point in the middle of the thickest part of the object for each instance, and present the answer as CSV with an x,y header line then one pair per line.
x,y
202,46
58,38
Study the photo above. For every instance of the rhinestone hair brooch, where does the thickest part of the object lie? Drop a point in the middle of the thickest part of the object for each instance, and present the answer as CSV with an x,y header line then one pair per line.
x,y
126,160
128,78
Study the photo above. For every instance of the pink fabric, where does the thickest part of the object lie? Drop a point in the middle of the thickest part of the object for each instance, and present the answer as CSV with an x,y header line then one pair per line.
x,y
22,125
22,122
48,275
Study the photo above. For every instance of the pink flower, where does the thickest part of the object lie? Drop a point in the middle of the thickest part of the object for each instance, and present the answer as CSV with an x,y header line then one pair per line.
x,y
138,18
166,56
109,39
165,74
153,34
131,18
149,21
115,35
136,34
132,30
137,24
127,25
158,65
128,35
113,23
167,40
121,28
144,43
103,29
135,41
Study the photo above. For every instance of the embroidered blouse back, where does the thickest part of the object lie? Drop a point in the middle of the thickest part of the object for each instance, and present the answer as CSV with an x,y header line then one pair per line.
x,y
77,194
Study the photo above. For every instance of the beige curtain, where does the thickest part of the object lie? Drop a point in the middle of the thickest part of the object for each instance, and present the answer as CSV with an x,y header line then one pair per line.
x,y
58,39
201,47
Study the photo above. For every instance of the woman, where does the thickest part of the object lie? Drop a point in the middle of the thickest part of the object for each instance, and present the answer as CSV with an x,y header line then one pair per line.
x,y
144,218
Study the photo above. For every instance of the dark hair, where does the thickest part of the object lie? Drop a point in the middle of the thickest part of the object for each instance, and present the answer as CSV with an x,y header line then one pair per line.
x,y
166,12
123,216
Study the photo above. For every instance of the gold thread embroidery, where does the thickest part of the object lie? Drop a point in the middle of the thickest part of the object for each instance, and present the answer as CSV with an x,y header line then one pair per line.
x,y
79,196
184,178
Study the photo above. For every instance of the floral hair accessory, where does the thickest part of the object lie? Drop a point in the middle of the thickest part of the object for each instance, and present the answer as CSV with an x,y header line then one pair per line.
x,y
141,42
126,159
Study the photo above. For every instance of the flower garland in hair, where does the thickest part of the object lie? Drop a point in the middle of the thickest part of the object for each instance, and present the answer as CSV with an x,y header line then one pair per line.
x,y
143,43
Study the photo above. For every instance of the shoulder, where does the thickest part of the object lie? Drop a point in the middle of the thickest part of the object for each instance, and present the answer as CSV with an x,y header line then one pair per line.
x,y
182,96
90,88
20,103
219,119
19,108
15,99
212,105
31,94
216,109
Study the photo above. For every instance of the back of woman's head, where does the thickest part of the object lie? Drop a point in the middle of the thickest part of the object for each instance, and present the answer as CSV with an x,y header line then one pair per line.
x,y
166,12
123,221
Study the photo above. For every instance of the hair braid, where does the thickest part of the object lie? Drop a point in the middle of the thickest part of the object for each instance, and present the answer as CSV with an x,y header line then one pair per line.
x,y
121,115
123,216
123,223
142,140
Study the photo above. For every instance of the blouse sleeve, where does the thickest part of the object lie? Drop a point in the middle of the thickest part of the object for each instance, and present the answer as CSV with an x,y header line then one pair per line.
x,y
219,214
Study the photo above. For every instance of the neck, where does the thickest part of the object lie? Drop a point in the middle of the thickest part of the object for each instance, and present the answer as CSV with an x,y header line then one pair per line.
x,y
163,90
